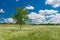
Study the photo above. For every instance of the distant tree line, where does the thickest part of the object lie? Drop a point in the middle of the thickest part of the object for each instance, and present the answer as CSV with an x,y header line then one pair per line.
x,y
34,24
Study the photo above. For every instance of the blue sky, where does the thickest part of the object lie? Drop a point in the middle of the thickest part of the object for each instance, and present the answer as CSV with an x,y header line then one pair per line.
x,y
9,6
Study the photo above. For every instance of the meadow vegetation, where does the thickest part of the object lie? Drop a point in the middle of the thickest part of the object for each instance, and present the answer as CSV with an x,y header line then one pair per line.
x,y
29,32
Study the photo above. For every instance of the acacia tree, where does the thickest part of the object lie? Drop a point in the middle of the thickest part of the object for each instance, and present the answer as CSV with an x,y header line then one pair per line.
x,y
21,16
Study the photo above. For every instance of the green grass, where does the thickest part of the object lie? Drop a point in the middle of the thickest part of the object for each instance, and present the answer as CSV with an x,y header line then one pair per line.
x,y
29,32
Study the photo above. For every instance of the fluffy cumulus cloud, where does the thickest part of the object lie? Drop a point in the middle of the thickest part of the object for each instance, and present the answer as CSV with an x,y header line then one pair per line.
x,y
46,11
17,0
36,18
55,19
29,7
45,16
2,11
9,20
54,3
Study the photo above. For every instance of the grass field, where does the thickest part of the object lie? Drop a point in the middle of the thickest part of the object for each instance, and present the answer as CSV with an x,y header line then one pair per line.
x,y
29,32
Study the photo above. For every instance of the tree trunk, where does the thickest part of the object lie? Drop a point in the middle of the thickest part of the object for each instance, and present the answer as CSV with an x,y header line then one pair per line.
x,y
20,23
20,26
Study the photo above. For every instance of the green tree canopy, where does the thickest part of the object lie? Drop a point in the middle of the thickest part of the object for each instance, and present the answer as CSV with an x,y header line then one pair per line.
x,y
21,16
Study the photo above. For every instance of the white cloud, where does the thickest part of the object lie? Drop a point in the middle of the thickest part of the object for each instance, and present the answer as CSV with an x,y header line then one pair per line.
x,y
32,15
55,19
54,3
36,18
2,11
54,16
51,15
46,11
17,0
29,7
9,20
